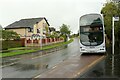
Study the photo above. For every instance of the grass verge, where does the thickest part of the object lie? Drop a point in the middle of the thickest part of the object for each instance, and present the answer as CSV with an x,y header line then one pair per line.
x,y
19,51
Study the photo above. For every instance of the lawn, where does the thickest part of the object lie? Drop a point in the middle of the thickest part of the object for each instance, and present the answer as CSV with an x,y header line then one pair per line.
x,y
24,50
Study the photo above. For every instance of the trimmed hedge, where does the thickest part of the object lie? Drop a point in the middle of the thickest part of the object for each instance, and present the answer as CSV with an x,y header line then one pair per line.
x,y
11,44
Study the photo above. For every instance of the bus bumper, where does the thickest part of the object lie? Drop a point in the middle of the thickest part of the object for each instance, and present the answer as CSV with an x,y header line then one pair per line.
x,y
93,51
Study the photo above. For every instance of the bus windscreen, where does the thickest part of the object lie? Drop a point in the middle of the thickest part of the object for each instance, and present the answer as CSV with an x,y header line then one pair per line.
x,y
91,30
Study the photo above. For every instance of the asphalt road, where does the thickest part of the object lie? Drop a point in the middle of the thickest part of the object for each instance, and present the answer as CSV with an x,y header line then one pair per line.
x,y
32,65
28,67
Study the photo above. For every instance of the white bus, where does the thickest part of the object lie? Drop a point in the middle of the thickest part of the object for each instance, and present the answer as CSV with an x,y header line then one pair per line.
x,y
92,34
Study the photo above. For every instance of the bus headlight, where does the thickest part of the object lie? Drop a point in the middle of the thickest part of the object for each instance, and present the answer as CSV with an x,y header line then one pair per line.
x,y
82,49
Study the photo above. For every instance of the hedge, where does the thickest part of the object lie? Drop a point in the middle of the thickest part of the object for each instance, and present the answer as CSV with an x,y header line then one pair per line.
x,y
11,44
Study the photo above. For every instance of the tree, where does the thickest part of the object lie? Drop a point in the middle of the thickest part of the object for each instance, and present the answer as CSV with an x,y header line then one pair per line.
x,y
8,35
65,31
0,31
0,27
53,33
109,11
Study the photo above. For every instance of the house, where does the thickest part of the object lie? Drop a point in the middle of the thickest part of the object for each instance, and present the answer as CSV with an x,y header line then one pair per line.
x,y
30,28
52,30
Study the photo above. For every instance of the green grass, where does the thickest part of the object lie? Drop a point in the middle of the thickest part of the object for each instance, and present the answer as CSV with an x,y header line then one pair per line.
x,y
17,48
18,51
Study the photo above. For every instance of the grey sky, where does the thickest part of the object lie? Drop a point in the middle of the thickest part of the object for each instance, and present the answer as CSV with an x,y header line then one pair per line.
x,y
57,12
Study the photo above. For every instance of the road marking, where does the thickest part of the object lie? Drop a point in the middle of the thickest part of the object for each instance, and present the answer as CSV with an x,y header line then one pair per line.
x,y
82,70
75,75
8,65
40,74
73,55
31,58
36,57
89,66
78,73
54,67
37,76
50,72
42,55
49,53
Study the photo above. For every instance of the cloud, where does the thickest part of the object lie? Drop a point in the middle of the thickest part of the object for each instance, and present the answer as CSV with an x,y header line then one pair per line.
x,y
56,11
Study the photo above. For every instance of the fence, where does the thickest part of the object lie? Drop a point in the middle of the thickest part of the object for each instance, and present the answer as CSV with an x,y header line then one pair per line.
x,y
43,42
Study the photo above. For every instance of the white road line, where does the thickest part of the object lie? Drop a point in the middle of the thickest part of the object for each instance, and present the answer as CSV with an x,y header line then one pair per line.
x,y
88,66
37,76
42,55
51,71
54,67
8,65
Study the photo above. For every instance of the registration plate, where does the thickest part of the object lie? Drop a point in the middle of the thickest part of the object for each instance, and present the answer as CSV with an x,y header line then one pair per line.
x,y
92,51
92,47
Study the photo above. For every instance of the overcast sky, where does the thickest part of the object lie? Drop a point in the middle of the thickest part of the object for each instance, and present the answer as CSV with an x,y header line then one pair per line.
x,y
57,12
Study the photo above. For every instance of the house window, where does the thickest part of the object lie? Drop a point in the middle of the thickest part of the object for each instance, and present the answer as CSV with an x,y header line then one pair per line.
x,y
30,30
38,31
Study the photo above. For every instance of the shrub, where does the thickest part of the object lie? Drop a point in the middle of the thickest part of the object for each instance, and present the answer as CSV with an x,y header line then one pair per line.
x,y
11,44
65,37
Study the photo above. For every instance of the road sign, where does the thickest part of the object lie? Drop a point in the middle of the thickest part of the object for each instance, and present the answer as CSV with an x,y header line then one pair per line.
x,y
116,18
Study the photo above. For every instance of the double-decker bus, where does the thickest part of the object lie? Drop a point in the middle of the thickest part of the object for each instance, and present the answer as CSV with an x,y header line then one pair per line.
x,y
92,34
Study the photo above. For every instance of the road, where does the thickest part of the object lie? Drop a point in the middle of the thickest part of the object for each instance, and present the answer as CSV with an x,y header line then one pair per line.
x,y
28,66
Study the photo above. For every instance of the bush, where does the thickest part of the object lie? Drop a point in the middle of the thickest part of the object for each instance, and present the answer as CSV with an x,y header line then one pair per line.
x,y
11,44
10,35
65,37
